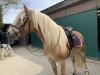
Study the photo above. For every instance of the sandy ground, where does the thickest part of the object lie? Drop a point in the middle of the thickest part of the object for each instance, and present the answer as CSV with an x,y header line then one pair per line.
x,y
24,63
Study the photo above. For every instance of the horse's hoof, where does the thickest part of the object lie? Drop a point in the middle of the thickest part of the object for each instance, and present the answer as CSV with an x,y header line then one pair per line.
x,y
72,72
12,55
87,72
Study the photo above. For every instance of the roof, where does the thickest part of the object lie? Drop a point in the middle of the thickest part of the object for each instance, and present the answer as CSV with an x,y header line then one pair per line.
x,y
63,4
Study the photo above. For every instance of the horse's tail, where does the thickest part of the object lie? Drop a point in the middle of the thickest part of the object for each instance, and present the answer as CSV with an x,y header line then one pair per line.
x,y
78,57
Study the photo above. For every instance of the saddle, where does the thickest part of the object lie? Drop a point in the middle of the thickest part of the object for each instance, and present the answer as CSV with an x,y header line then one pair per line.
x,y
73,39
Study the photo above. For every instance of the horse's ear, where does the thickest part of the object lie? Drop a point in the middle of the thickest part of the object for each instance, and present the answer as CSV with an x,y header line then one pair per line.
x,y
25,8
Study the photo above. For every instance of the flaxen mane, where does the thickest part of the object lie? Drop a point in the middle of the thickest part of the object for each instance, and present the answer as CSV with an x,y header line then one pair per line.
x,y
50,30
53,37
18,16
53,33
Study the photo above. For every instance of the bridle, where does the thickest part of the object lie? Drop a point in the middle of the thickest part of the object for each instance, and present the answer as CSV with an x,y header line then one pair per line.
x,y
20,29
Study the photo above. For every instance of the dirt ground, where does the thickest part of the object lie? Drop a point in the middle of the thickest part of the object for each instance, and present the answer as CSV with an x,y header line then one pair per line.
x,y
24,63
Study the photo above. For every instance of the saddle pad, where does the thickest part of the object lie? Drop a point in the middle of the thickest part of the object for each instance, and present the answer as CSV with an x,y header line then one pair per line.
x,y
77,40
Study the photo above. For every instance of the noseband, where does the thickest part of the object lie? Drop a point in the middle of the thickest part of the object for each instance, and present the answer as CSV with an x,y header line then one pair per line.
x,y
22,25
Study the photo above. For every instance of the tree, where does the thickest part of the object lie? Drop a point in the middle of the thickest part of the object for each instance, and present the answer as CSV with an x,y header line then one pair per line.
x,y
0,17
4,5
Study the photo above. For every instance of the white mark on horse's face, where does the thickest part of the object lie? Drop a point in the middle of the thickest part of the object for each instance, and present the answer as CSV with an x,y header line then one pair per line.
x,y
12,30
22,18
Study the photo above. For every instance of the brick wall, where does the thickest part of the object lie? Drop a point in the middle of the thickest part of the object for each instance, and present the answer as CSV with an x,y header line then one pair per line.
x,y
76,9
80,8
97,2
57,14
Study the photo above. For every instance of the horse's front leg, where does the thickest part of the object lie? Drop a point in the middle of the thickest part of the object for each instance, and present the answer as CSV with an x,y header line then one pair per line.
x,y
53,64
63,67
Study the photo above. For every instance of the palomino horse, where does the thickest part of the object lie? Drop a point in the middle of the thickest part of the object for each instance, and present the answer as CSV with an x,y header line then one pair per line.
x,y
52,36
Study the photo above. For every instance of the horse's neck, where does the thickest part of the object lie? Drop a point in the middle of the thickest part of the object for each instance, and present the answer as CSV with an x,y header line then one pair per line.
x,y
45,28
40,35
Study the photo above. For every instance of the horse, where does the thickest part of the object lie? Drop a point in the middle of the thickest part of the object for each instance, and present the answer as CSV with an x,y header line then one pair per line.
x,y
52,36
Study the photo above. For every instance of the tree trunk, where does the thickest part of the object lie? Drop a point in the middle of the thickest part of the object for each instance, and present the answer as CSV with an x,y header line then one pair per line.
x,y
1,17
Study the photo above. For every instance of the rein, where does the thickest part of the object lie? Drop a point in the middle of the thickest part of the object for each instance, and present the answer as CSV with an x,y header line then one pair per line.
x,y
22,27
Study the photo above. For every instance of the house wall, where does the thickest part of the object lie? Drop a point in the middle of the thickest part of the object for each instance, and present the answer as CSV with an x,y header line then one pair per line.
x,y
91,4
81,7
57,14
86,24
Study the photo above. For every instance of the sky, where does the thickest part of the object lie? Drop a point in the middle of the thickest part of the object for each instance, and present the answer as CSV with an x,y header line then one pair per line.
x,y
31,4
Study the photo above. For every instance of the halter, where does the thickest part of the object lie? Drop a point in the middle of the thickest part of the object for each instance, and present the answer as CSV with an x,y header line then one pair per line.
x,y
22,26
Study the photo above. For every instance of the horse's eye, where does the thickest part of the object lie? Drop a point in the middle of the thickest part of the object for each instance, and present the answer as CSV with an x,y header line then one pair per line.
x,y
23,19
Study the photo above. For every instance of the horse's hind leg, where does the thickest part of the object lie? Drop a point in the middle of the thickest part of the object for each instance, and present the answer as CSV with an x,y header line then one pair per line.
x,y
53,64
73,71
84,61
63,67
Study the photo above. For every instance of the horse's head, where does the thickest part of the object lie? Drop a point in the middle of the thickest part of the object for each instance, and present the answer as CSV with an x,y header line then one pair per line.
x,y
21,24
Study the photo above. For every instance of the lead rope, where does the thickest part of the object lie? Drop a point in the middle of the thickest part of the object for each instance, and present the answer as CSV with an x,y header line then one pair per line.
x,y
27,47
32,52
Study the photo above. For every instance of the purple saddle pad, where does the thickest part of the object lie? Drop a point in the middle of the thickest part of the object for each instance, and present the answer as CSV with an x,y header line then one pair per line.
x,y
77,40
